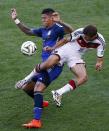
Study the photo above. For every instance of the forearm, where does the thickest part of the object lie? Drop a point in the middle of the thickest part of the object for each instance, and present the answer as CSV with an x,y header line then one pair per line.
x,y
23,28
100,60
60,43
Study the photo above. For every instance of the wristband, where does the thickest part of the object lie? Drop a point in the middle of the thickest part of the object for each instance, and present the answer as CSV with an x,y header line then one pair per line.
x,y
17,21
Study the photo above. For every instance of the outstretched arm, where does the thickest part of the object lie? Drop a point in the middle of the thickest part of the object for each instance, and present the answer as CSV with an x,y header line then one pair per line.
x,y
21,26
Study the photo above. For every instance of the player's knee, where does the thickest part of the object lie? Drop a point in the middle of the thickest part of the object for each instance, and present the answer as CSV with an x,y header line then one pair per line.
x,y
29,86
39,87
84,78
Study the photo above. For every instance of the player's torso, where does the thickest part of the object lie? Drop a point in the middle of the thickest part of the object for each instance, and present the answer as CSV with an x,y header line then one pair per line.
x,y
49,36
81,46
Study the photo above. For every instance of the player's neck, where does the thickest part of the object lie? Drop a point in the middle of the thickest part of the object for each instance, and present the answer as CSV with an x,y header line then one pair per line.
x,y
50,25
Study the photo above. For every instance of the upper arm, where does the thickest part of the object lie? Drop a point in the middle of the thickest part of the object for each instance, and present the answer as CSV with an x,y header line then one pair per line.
x,y
37,32
100,50
67,28
101,47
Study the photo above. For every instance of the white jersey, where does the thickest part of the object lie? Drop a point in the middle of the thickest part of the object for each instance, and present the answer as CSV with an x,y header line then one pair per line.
x,y
71,53
80,45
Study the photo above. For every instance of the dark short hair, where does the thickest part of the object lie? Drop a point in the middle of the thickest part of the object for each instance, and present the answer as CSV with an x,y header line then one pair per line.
x,y
47,11
90,30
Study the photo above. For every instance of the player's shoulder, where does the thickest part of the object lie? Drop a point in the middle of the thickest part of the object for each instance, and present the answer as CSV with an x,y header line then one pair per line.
x,y
58,25
58,28
77,32
100,39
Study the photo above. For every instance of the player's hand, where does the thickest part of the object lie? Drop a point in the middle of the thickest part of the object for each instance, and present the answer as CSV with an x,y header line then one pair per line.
x,y
98,66
48,48
56,17
13,13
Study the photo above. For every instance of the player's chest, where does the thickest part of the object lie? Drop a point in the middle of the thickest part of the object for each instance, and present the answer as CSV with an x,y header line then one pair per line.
x,y
85,44
49,35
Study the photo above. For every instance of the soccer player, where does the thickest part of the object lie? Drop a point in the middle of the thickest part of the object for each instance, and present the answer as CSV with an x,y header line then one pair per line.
x,y
71,52
51,32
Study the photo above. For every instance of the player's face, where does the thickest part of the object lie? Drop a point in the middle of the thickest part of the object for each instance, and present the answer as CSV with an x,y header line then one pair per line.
x,y
47,20
88,38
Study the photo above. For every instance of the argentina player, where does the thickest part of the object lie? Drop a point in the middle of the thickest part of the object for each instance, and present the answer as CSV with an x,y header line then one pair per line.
x,y
51,32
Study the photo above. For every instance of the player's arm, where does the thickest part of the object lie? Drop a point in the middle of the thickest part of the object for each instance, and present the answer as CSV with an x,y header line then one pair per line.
x,y
67,28
99,63
100,54
60,43
65,40
68,38
21,26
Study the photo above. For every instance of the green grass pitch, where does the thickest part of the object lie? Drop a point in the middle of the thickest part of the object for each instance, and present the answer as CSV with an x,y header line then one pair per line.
x,y
85,109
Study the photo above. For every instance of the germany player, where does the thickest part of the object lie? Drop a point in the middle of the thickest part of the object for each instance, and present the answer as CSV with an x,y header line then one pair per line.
x,y
80,41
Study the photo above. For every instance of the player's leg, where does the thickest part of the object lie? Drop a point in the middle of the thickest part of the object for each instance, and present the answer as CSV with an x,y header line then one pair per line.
x,y
44,79
58,57
80,78
49,63
54,73
38,106
80,73
21,83
41,84
29,89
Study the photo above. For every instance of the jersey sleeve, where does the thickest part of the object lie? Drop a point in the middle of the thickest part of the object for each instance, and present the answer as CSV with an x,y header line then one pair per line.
x,y
101,47
76,34
37,32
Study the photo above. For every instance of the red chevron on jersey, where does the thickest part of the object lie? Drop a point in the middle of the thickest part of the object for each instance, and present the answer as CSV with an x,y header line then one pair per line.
x,y
83,43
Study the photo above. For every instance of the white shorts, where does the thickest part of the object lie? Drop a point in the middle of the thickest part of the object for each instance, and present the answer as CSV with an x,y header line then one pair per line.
x,y
68,55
